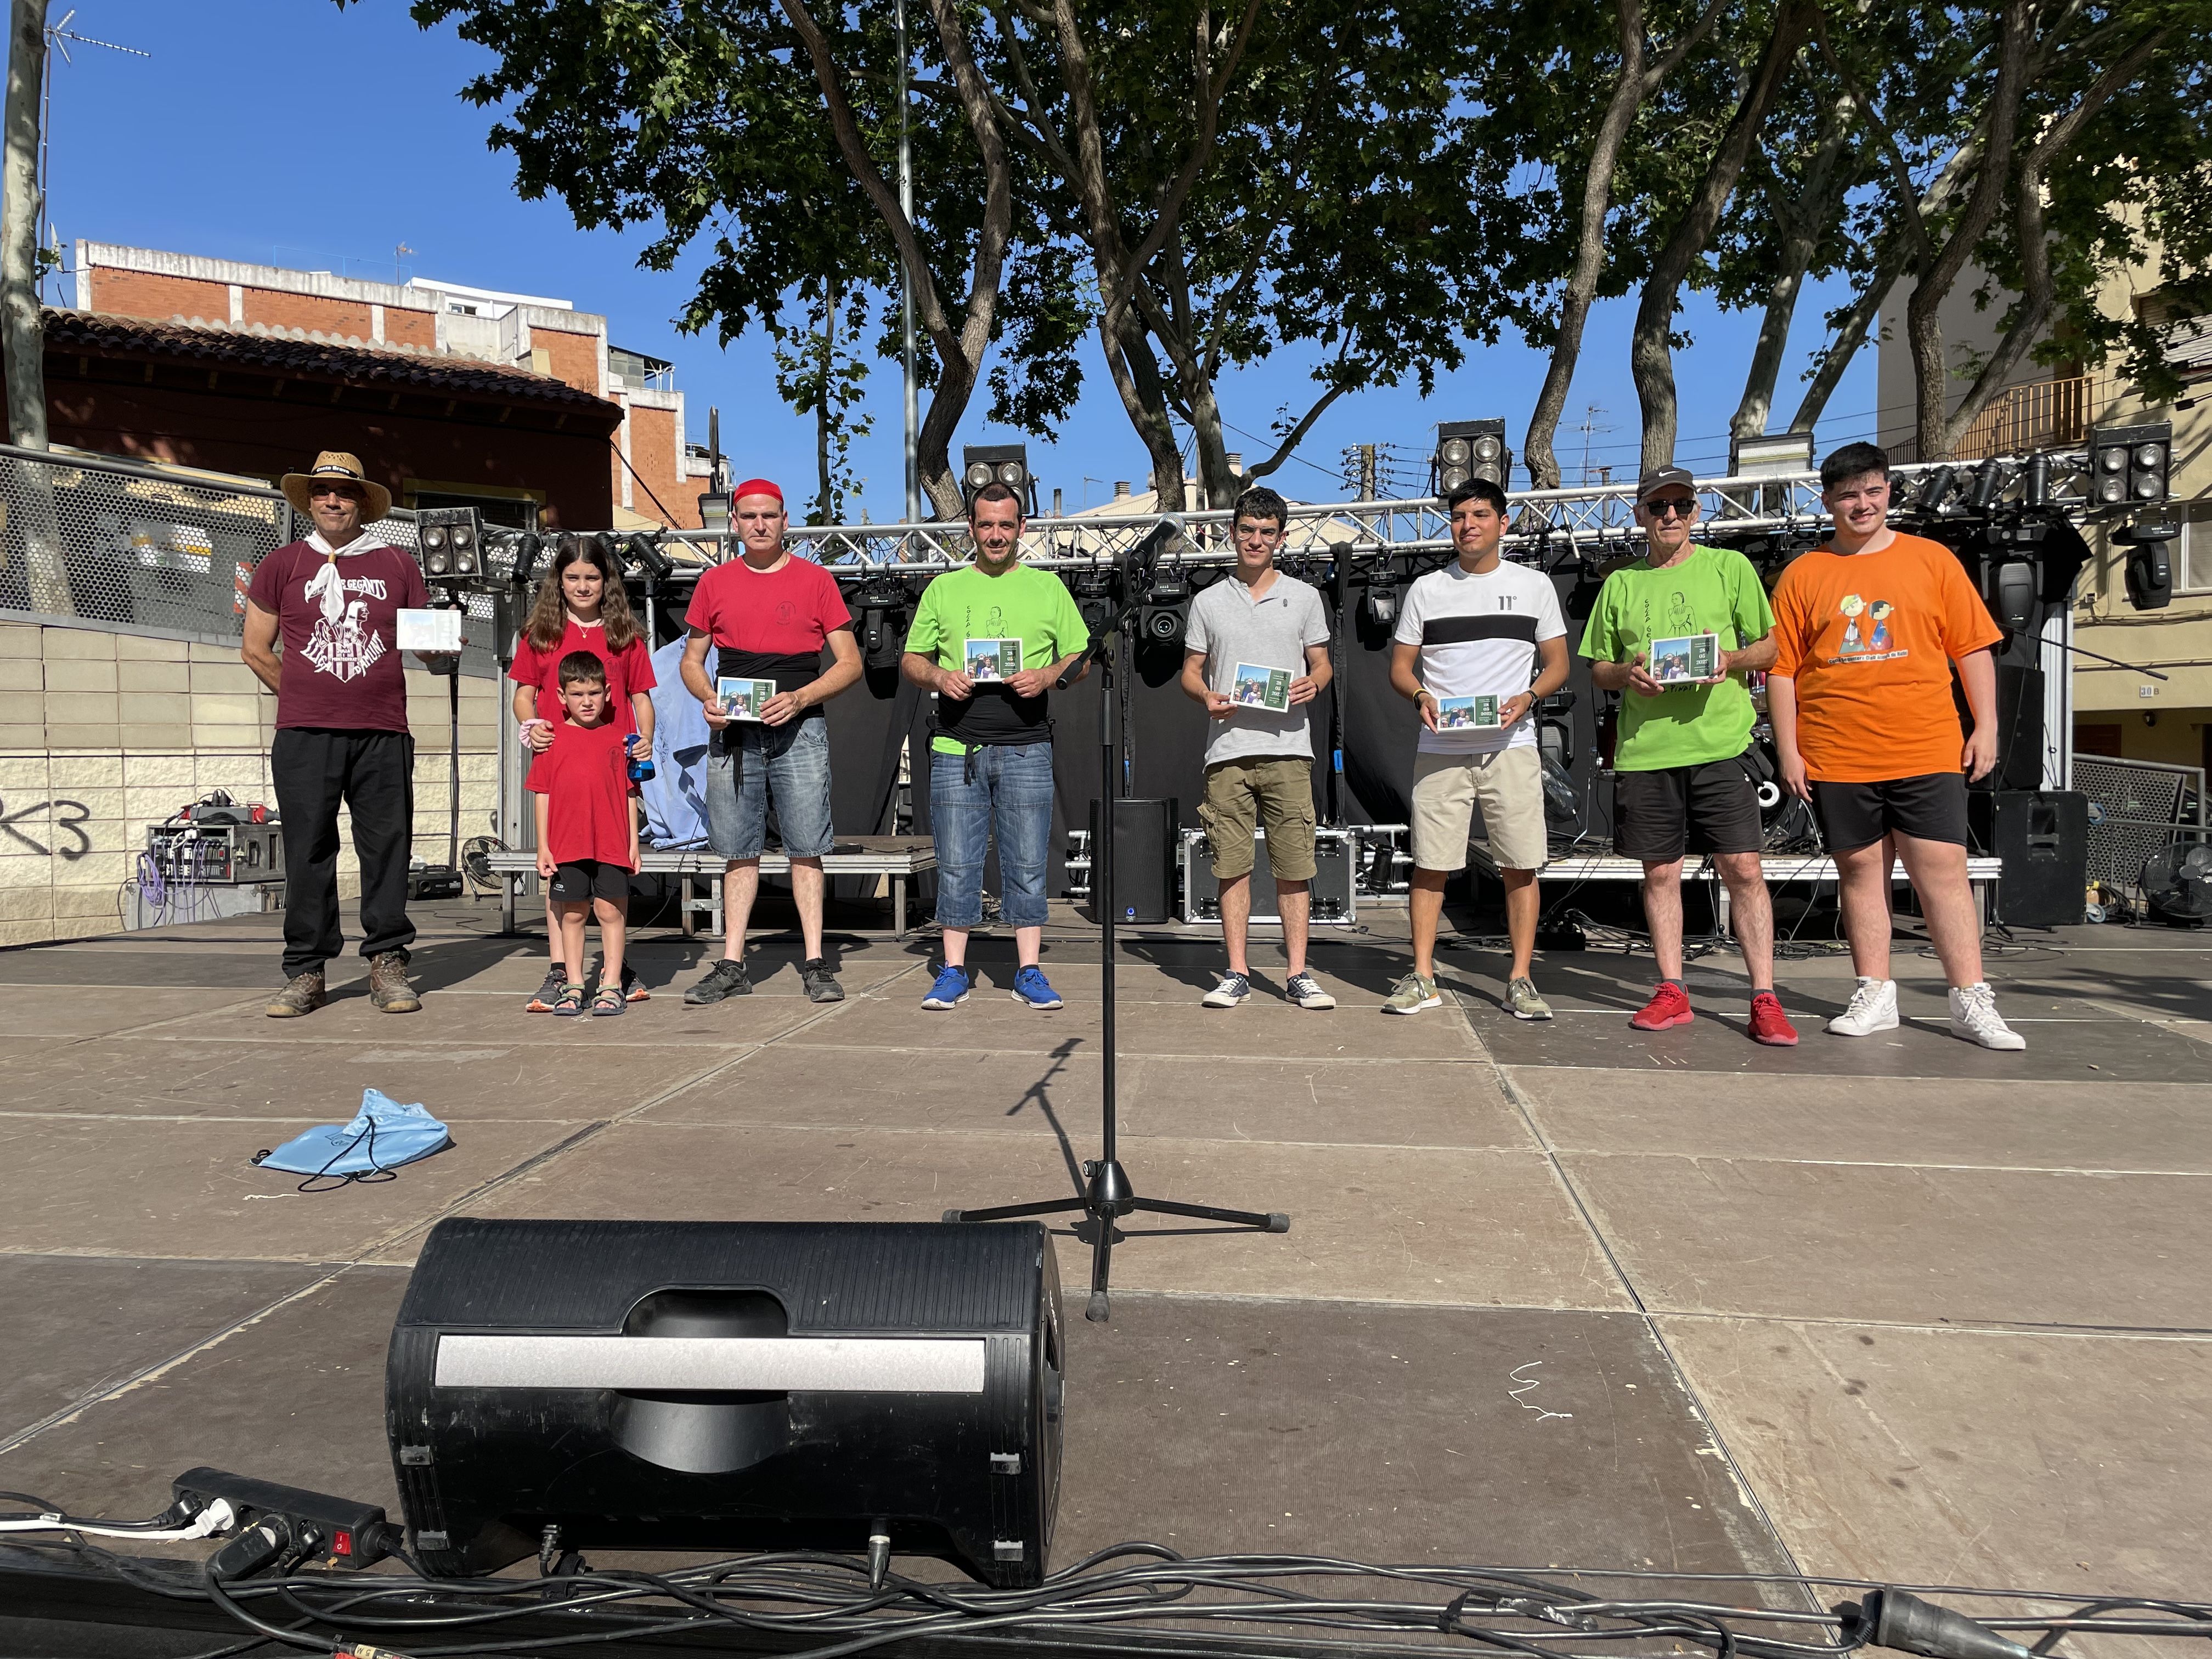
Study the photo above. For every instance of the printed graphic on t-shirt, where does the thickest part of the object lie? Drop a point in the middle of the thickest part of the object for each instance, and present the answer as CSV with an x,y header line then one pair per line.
x,y
1867,637
343,643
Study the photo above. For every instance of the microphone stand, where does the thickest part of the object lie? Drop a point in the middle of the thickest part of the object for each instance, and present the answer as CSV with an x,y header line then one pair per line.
x,y
1109,1194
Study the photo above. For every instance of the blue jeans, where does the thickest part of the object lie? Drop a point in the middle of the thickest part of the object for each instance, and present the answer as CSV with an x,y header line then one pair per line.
x,y
789,764
1002,789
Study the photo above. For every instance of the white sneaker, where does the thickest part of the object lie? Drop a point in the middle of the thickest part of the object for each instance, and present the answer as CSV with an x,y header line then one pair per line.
x,y
1873,1008
1974,1016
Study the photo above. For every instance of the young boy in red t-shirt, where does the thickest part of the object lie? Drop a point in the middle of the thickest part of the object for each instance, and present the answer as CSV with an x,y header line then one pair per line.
x,y
586,830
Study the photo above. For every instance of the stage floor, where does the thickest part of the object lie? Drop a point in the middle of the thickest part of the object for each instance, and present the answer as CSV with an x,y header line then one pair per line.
x,y
1554,1294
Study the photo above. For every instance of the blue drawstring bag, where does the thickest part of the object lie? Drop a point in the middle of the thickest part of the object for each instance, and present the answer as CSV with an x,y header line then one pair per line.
x,y
383,1135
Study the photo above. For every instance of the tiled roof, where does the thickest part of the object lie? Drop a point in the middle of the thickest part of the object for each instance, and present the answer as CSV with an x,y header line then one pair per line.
x,y
314,355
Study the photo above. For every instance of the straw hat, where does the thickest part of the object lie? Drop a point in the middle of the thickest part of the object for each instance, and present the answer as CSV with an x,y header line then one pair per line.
x,y
336,463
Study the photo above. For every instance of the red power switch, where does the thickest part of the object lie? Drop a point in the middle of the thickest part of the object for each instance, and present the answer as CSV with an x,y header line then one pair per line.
x,y
341,1543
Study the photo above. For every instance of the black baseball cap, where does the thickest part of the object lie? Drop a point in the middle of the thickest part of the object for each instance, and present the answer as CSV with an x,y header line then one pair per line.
x,y
1662,477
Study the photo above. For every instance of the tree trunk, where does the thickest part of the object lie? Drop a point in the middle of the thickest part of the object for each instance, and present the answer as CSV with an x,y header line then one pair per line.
x,y
1651,357
1819,200
1628,96
1850,336
21,331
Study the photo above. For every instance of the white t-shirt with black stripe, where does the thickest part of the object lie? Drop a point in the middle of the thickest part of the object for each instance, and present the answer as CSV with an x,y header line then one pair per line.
x,y
1478,636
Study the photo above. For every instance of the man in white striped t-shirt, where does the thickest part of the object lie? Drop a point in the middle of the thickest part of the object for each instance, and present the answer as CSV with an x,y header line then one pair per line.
x,y
1478,643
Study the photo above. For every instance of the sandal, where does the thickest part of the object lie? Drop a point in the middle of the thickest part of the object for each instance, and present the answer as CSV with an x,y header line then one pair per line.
x,y
609,1001
571,1000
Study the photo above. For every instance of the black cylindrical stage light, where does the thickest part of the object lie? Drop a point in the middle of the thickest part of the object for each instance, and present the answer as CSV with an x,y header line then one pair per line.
x,y
729,1386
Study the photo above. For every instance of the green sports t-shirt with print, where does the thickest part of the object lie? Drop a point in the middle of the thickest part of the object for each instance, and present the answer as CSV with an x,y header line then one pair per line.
x,y
1024,603
1711,590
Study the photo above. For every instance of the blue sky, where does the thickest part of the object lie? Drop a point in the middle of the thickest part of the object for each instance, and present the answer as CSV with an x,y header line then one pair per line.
x,y
295,134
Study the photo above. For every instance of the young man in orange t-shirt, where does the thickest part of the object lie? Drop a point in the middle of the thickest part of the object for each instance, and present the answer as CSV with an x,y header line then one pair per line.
x,y
1868,628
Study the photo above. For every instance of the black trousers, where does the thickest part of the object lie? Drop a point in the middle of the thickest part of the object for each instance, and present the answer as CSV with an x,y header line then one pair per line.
x,y
374,774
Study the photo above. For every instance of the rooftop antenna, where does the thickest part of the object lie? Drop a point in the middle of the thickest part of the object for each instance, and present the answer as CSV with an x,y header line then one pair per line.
x,y
1590,427
400,252
58,36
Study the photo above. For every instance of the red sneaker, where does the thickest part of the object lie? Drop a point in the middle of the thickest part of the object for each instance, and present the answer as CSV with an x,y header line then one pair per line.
x,y
1769,1024
1669,1005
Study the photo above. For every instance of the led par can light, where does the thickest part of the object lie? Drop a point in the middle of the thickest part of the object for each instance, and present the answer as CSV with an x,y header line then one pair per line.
x,y
2130,466
1468,450
449,541
982,464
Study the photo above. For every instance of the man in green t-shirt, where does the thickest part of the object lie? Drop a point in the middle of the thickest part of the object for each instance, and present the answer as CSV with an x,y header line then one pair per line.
x,y
990,640
1673,632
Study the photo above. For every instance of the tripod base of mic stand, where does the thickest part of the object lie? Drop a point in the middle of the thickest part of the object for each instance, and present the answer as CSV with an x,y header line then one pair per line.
x,y
1106,1198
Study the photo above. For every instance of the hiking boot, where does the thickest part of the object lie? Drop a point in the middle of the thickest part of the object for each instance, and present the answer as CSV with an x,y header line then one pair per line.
x,y
387,985
1873,1008
1523,1002
1305,990
1769,1024
549,993
1411,994
818,982
1669,1006
1233,989
1974,1016
725,978
302,994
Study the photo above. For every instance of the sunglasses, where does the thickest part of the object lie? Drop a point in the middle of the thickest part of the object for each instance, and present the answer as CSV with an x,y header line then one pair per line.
x,y
1671,507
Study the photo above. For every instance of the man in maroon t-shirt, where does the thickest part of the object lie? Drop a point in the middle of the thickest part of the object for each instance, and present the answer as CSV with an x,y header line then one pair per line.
x,y
769,615
341,732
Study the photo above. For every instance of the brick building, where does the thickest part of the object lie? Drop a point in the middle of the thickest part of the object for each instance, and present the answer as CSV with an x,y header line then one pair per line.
x,y
454,394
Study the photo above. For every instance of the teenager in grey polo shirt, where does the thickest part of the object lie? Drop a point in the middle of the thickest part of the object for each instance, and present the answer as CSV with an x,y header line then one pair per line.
x,y
1259,760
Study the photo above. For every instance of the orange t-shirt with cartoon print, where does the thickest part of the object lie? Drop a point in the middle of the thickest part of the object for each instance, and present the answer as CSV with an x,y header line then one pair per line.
x,y
1869,639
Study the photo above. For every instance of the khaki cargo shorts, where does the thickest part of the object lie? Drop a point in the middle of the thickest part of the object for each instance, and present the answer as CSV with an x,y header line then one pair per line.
x,y
1508,786
1241,795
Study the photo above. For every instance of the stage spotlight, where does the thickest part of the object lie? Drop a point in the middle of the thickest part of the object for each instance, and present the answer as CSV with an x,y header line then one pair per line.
x,y
1770,455
528,545
1166,601
714,512
646,550
449,542
881,623
1986,484
1006,463
2128,464
1466,450
1933,490
2149,572
1379,608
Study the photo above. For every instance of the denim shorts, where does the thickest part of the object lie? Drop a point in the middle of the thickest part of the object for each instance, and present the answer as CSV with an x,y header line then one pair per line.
x,y
1000,789
784,766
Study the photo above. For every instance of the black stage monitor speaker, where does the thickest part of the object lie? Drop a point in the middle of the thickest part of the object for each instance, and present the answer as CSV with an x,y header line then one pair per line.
x,y
729,1386
1145,842
2043,836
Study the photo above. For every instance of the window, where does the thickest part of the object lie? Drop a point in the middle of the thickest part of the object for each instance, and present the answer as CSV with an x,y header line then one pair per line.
x,y
2192,557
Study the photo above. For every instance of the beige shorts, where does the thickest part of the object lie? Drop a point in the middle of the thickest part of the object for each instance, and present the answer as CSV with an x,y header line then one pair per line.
x,y
1508,786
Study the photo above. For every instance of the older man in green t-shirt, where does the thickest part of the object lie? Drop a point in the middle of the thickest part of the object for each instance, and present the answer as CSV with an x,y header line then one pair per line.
x,y
1673,632
990,640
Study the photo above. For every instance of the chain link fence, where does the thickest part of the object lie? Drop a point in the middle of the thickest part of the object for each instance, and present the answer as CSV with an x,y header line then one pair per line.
x,y
161,551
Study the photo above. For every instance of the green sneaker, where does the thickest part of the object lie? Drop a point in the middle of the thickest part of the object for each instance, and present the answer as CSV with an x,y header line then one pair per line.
x,y
1523,1002
1411,994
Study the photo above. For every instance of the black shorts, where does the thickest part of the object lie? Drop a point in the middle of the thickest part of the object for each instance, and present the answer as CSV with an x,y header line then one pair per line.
x,y
587,879
1932,807
1712,807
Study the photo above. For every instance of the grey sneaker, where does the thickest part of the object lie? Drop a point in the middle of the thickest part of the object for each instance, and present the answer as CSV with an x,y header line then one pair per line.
x,y
1233,989
549,993
1411,994
302,994
725,979
1305,990
820,984
387,984
1523,1002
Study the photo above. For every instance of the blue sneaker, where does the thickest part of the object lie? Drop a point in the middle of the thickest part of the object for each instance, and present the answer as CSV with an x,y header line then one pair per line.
x,y
951,988
1031,987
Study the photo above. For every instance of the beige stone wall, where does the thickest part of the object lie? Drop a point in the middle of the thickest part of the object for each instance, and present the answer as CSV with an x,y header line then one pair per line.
x,y
102,734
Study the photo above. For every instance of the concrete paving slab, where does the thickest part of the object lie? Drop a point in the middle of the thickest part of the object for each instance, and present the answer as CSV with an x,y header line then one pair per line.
x,y
1969,1456
2081,1050
483,1022
1392,1434
296,1397
174,1189
49,1011
72,1327
1369,1223
1976,1124
1264,1031
296,1084
1382,1102
1919,1246
667,965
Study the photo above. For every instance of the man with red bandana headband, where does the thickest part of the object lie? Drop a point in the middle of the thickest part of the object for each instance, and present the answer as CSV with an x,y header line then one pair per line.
x,y
768,615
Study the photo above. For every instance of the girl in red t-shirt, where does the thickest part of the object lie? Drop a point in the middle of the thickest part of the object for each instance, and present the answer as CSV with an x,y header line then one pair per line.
x,y
580,605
